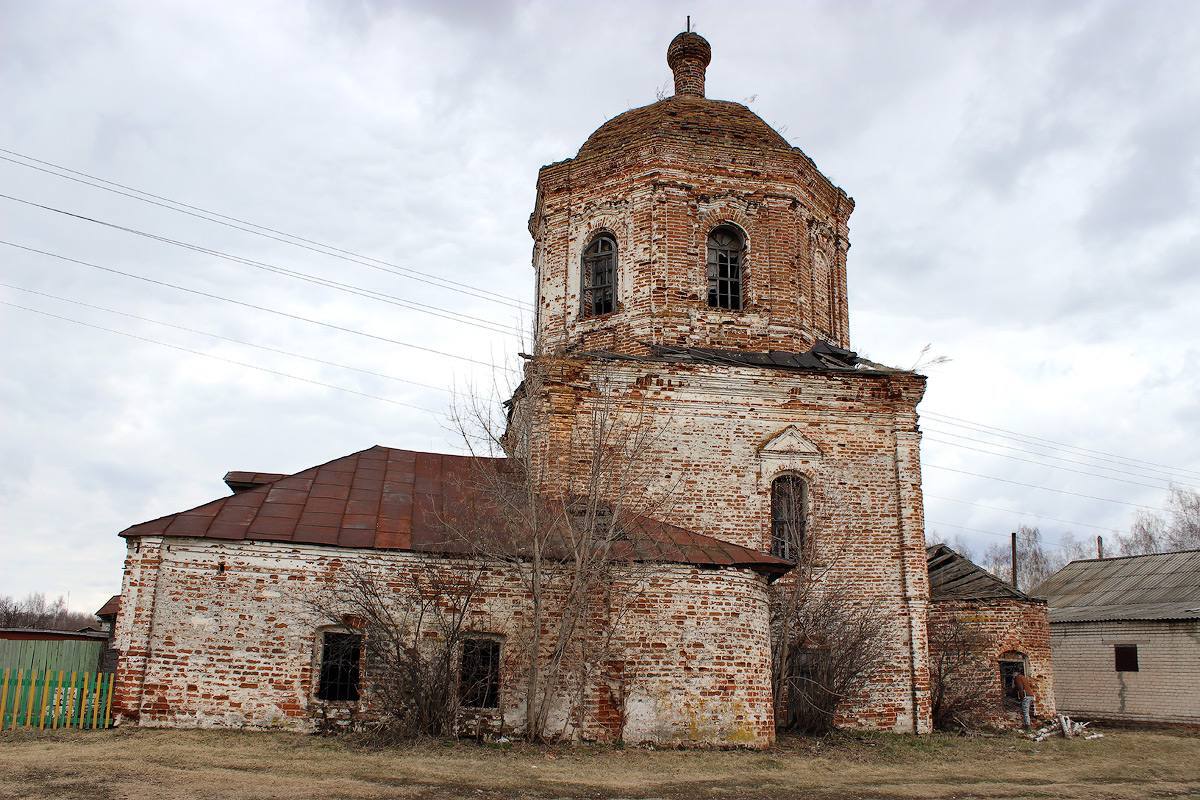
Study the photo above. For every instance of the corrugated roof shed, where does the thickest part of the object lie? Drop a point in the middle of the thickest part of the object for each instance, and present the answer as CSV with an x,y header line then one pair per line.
x,y
954,577
1158,586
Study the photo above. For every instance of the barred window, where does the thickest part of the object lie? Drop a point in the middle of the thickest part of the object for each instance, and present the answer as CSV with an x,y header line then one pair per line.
x,y
340,654
725,250
599,290
479,678
789,508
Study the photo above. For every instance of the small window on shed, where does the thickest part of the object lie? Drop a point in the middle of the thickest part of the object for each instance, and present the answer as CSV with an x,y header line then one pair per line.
x,y
340,661
479,680
599,290
1011,665
1125,657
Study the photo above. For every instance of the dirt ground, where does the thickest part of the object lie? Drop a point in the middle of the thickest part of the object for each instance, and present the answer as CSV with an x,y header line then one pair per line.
x,y
132,764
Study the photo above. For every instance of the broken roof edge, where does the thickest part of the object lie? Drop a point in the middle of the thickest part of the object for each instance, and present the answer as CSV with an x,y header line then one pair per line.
x,y
996,589
823,358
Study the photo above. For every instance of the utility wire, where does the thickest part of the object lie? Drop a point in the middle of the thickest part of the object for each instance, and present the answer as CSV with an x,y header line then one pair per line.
x,y
1002,445
1022,513
221,358
242,342
372,294
244,304
1047,543
1045,488
1009,434
262,230
1043,464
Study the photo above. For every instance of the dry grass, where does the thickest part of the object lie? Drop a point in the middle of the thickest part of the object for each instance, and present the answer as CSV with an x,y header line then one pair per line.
x,y
132,765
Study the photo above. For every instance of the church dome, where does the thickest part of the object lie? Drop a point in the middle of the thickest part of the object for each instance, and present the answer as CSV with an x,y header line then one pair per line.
x,y
688,118
684,120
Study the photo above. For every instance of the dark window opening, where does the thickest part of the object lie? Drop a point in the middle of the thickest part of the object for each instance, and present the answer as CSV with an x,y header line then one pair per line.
x,y
808,678
1009,670
599,277
725,250
479,680
340,656
1125,657
789,500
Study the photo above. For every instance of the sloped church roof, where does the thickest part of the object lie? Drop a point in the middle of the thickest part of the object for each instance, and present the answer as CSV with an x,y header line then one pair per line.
x,y
390,499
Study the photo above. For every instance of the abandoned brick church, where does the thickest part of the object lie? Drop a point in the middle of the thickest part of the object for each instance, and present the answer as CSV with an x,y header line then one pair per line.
x,y
691,261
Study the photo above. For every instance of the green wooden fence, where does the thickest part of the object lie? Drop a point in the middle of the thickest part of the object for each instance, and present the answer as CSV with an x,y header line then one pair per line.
x,y
53,699
70,655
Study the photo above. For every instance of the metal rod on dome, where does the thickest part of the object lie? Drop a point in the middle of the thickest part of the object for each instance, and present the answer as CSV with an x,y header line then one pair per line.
x,y
689,23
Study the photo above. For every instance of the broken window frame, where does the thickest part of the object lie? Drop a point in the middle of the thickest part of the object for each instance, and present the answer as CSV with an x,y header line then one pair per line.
x,y
340,668
1009,666
789,516
1125,658
725,260
479,673
598,277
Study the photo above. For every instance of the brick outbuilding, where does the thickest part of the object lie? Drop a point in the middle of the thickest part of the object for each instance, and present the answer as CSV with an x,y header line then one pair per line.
x,y
1008,633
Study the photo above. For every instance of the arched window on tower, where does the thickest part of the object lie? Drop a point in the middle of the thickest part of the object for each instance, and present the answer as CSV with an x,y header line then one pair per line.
x,y
726,248
789,512
598,293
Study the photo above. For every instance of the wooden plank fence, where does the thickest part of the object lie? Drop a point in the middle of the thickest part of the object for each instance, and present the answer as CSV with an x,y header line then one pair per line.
x,y
55,699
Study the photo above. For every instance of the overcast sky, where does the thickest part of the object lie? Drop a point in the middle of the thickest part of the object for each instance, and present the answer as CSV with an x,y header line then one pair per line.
x,y
1027,179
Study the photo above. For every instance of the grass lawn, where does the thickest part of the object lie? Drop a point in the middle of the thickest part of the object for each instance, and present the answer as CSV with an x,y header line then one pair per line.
x,y
136,764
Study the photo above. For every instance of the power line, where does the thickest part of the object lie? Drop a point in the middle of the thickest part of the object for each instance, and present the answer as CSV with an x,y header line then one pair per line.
x,y
1024,436
1022,513
1003,446
1043,464
1045,488
372,294
242,342
264,231
244,304
1047,543
222,358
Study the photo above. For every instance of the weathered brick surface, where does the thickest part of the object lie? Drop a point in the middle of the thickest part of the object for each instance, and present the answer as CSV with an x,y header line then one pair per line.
x,y
725,433
1162,690
659,179
1010,628
220,634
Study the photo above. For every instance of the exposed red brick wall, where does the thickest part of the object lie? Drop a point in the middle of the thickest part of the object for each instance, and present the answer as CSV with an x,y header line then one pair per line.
x,y
717,451
659,179
218,634
1007,626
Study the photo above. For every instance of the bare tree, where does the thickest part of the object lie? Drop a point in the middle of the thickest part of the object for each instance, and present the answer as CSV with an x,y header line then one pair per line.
x,y
1179,529
562,500
37,611
824,647
1034,561
959,686
956,543
412,628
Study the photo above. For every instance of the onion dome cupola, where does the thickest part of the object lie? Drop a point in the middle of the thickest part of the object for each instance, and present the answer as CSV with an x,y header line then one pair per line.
x,y
689,222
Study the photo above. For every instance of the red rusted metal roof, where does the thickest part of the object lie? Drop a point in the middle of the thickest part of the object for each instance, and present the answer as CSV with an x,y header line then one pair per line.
x,y
240,480
393,499
110,607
